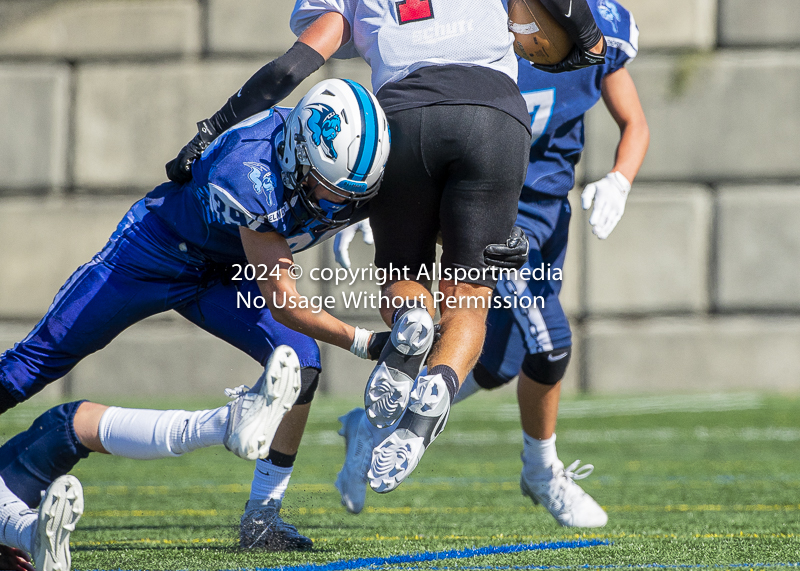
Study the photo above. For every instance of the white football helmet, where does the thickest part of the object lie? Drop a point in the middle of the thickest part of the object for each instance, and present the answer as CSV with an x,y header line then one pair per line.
x,y
339,132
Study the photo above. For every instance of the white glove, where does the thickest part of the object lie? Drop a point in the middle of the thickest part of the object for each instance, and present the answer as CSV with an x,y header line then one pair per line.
x,y
341,243
609,195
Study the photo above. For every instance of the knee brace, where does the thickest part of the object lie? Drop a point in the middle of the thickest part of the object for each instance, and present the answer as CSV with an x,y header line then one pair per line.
x,y
31,460
547,368
309,380
487,380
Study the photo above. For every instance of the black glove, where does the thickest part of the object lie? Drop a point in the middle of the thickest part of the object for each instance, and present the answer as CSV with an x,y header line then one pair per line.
x,y
376,344
511,255
179,169
577,58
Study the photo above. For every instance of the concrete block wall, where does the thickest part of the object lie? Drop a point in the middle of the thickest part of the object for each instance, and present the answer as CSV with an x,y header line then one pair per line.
x,y
718,116
657,260
680,24
696,290
87,29
34,113
765,23
759,241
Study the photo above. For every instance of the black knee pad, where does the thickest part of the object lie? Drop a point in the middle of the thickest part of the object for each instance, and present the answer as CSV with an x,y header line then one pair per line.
x,y
487,380
309,380
547,368
30,461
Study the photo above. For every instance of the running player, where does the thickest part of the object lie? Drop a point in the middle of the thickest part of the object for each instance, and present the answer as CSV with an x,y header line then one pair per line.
x,y
536,343
461,134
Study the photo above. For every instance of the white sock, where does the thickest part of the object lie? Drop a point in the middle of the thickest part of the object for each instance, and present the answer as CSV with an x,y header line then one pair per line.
x,y
538,455
269,483
468,388
144,434
17,521
203,428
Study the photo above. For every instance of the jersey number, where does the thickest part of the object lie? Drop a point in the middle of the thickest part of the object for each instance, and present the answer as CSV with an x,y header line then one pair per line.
x,y
414,10
540,106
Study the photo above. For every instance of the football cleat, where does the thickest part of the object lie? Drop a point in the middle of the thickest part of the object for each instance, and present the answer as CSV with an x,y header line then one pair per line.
x,y
397,456
390,384
352,478
60,510
264,528
256,413
562,497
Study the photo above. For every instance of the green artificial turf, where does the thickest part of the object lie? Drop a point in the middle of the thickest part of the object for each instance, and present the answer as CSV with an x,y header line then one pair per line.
x,y
711,488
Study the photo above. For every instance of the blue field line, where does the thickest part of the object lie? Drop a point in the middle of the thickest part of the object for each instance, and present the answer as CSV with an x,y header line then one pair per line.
x,y
642,566
378,562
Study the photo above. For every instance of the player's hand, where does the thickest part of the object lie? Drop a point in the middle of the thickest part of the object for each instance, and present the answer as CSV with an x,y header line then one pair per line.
x,y
179,169
511,255
341,243
609,195
376,344
577,58
14,559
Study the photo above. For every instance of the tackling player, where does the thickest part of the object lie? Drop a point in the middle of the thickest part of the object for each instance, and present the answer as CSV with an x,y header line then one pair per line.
x,y
444,71
275,184
536,343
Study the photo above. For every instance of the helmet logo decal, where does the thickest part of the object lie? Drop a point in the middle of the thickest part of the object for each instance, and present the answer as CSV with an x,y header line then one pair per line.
x,y
324,124
609,13
262,179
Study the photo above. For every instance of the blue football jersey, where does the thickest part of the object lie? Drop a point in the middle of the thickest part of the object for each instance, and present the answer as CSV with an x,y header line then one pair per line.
x,y
558,102
237,182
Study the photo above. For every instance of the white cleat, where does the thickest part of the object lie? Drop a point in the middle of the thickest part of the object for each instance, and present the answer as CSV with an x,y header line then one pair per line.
x,y
352,478
398,455
386,396
563,498
256,413
391,382
60,510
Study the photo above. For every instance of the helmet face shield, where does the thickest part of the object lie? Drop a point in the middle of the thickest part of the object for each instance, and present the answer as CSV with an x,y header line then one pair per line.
x,y
339,133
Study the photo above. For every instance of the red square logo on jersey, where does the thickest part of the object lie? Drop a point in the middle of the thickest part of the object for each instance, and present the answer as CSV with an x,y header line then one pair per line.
x,y
414,10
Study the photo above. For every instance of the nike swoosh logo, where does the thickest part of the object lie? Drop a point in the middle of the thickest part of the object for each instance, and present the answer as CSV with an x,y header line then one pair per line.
x,y
568,14
554,358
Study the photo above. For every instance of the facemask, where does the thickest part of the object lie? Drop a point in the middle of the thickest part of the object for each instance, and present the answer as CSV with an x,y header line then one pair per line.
x,y
330,208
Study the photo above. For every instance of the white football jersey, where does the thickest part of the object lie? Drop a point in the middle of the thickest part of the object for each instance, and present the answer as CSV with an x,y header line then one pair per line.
x,y
397,37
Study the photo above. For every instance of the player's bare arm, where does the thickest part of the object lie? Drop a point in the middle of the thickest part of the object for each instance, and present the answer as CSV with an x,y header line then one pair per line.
x,y
327,34
610,193
272,250
622,101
